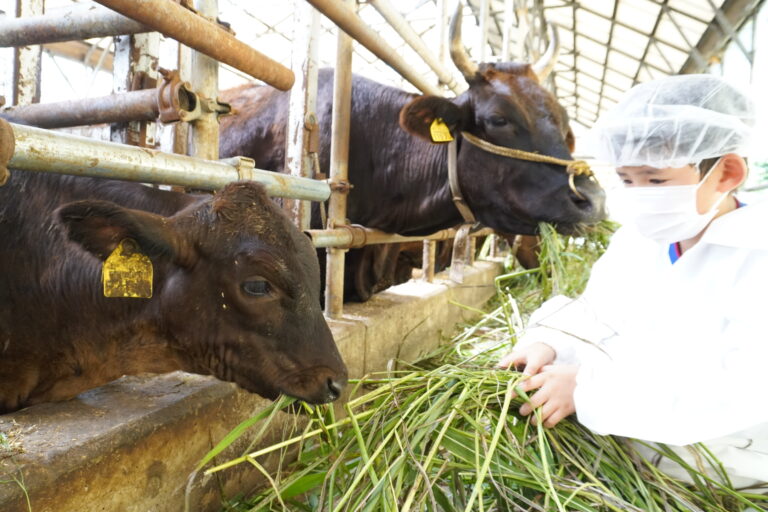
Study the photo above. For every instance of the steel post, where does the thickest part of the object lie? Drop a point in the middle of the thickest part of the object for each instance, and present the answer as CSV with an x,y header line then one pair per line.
x,y
135,68
181,130
339,171
27,60
303,136
428,260
204,139
483,34
48,151
506,37
402,27
174,20
442,24
350,23
522,52
76,22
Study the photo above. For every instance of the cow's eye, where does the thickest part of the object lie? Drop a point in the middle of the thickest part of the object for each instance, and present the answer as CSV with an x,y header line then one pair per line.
x,y
498,121
256,288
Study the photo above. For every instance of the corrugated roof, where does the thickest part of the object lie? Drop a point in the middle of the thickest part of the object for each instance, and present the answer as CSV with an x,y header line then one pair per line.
x,y
607,45
610,45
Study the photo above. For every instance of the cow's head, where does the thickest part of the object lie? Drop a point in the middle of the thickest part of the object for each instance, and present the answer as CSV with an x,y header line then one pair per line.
x,y
507,106
237,289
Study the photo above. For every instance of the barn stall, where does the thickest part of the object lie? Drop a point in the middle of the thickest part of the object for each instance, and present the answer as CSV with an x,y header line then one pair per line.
x,y
129,445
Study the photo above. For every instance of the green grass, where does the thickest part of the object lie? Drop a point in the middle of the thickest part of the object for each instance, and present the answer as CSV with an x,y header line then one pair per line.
x,y
445,434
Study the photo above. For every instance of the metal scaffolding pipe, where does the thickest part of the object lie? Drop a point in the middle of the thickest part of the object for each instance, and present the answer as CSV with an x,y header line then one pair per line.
x,y
204,75
402,27
506,37
27,60
428,260
483,34
350,23
47,151
143,105
339,170
135,67
72,23
355,236
302,138
175,21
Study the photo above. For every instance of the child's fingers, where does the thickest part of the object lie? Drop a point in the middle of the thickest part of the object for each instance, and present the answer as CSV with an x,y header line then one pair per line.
x,y
556,417
523,385
510,359
538,399
545,411
534,364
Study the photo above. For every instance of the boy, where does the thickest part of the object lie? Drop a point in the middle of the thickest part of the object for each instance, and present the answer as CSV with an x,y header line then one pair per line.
x,y
669,341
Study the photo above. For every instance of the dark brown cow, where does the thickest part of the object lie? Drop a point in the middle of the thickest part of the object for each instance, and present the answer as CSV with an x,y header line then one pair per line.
x,y
236,291
400,176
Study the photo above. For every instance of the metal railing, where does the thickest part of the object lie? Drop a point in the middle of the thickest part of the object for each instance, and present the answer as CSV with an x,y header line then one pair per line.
x,y
193,27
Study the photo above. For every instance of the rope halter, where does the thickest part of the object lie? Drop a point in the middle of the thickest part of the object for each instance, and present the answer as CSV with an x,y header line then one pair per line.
x,y
572,167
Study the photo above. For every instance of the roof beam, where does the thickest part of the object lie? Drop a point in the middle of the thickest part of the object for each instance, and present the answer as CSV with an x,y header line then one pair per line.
x,y
636,30
695,53
672,69
648,46
663,5
609,68
620,52
575,55
586,88
730,31
608,45
713,40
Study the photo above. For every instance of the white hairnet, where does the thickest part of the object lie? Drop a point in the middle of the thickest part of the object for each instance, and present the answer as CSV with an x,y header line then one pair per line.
x,y
674,121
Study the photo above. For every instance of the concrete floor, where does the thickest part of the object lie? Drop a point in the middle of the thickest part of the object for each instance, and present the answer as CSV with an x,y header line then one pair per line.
x,y
130,445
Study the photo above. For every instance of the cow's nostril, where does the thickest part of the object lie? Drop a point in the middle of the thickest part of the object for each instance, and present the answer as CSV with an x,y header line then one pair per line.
x,y
581,203
334,388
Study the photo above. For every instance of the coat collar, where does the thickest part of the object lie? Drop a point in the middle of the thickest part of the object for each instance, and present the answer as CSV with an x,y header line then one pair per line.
x,y
745,227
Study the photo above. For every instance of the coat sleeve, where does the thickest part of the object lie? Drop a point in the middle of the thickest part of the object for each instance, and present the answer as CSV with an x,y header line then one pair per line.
x,y
690,371
569,326
677,400
572,327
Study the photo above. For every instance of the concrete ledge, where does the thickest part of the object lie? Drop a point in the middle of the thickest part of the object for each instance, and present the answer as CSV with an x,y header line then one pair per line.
x,y
130,445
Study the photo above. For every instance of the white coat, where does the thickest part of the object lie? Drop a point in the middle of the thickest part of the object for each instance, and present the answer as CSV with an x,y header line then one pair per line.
x,y
674,353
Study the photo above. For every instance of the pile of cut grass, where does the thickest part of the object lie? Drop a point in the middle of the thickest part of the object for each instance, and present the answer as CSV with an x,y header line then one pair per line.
x,y
445,435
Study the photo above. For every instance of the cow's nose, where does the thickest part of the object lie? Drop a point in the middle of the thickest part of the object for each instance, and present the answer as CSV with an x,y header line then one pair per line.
x,y
334,388
581,200
587,196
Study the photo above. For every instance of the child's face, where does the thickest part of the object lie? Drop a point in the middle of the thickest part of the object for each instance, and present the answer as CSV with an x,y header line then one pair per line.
x,y
644,176
652,177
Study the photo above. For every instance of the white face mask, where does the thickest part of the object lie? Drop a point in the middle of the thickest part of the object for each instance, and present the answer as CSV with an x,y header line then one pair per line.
x,y
668,214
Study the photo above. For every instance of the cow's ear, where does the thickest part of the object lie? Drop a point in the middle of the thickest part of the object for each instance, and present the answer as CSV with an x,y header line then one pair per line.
x,y
570,141
99,226
417,116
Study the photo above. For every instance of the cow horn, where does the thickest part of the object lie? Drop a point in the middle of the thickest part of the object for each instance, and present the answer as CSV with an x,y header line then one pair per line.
x,y
458,54
547,61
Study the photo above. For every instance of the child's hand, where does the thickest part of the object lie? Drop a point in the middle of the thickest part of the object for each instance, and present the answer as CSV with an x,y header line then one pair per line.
x,y
555,384
531,358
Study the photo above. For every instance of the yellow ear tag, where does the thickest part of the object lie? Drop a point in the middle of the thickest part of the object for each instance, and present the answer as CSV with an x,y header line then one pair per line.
x,y
439,131
127,272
